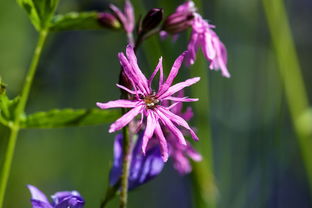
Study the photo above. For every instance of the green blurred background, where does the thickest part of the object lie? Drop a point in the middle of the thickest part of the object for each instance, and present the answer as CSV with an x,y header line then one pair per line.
x,y
257,160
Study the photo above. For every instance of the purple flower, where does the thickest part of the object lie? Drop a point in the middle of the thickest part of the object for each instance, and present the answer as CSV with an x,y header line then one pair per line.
x,y
64,199
143,168
126,18
205,38
148,103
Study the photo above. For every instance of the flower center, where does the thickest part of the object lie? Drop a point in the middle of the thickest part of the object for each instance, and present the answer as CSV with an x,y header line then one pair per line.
x,y
151,101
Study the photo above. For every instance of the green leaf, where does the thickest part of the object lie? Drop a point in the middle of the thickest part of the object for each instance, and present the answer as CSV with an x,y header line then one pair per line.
x,y
7,106
75,21
69,118
40,12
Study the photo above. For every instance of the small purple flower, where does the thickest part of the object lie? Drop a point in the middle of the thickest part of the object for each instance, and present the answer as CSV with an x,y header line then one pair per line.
x,y
126,18
143,168
64,199
205,38
148,103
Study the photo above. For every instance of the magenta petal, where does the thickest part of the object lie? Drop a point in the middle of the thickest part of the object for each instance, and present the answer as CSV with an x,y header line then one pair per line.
x,y
127,89
173,73
208,49
136,70
177,87
127,68
149,130
162,142
118,104
167,123
178,120
119,14
192,153
125,119
188,114
159,66
129,12
181,99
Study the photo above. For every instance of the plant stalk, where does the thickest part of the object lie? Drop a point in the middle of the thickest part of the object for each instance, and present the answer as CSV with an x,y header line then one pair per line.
x,y
290,73
126,159
18,114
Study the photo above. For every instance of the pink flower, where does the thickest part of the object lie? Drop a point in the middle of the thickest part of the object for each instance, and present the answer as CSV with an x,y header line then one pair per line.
x,y
202,36
126,18
205,38
180,154
148,103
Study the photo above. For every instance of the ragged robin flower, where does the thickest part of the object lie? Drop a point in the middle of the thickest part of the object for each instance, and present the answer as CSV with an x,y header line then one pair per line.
x,y
148,103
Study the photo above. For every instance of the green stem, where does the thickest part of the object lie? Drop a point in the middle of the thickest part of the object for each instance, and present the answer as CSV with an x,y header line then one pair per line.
x,y
290,73
202,175
126,158
18,114
110,194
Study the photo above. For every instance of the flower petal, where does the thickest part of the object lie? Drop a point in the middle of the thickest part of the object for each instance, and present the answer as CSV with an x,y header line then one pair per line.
x,y
116,170
136,70
177,87
178,120
71,201
40,204
118,104
173,73
159,66
130,73
37,195
58,197
168,124
129,12
122,18
162,142
181,99
142,168
128,90
125,119
149,130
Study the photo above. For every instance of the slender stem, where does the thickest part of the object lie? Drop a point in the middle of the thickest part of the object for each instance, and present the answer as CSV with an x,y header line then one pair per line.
x,y
18,114
126,158
203,180
290,72
110,194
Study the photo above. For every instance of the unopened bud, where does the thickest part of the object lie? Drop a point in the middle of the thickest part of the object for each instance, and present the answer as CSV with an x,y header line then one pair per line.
x,y
108,20
181,19
178,22
152,19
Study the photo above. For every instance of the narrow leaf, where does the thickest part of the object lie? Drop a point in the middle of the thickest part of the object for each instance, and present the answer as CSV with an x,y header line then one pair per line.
x,y
69,118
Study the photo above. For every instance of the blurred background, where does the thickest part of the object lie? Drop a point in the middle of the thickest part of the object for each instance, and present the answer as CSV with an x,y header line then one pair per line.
x,y
256,157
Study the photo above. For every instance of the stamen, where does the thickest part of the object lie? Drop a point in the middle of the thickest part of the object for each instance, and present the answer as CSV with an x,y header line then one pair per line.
x,y
151,101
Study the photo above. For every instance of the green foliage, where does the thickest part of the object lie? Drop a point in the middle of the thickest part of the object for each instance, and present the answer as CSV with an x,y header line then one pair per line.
x,y
7,106
75,21
69,118
40,12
